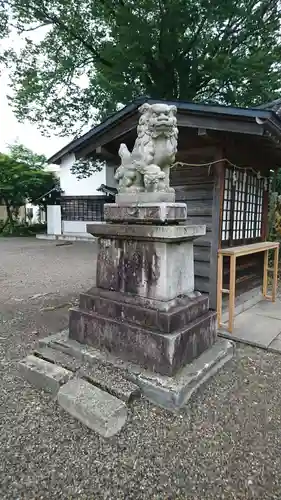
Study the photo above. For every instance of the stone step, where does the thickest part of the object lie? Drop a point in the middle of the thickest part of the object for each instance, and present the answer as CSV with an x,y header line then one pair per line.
x,y
103,375
58,358
164,353
176,318
109,379
95,408
44,375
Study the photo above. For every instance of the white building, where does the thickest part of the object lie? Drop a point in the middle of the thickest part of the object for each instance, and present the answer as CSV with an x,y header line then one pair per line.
x,y
81,201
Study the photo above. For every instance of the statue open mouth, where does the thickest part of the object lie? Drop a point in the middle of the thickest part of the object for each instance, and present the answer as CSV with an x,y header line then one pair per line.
x,y
147,167
163,123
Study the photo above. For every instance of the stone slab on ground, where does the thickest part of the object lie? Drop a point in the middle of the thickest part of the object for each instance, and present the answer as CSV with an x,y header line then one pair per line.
x,y
89,365
173,393
243,302
57,357
95,408
146,212
255,329
110,379
54,337
268,309
44,375
275,345
169,392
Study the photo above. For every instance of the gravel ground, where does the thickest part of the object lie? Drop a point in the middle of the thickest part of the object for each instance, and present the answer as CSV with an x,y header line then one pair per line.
x,y
224,445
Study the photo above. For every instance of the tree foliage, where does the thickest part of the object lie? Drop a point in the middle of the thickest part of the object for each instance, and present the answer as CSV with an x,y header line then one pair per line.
x,y
203,50
21,183
85,167
22,154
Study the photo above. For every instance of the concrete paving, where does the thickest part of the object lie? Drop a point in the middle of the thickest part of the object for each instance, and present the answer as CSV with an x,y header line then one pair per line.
x,y
259,326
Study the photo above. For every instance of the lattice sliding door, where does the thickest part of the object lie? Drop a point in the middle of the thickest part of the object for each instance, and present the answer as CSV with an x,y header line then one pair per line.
x,y
242,207
82,208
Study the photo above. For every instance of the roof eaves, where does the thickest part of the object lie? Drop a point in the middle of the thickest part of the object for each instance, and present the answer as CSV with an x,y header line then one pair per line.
x,y
113,118
205,109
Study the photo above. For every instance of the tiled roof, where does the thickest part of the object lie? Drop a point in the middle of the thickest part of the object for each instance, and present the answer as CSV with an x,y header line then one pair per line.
x,y
272,106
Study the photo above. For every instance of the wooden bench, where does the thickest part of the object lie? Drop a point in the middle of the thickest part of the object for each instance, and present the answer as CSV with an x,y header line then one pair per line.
x,y
234,253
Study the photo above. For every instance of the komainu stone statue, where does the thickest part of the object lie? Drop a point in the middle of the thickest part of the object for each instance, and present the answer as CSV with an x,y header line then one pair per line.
x,y
147,168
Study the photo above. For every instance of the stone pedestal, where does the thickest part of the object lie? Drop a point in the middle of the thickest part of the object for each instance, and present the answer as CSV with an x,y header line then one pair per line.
x,y
144,308
143,328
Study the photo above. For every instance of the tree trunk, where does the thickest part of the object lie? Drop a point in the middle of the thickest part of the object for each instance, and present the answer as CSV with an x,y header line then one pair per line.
x,y
10,219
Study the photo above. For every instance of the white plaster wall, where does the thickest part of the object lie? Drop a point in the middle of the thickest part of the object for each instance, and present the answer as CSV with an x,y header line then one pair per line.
x,y
110,171
84,187
75,226
75,187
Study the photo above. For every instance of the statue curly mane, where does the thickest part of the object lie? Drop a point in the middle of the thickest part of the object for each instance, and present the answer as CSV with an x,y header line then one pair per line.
x,y
148,134
148,166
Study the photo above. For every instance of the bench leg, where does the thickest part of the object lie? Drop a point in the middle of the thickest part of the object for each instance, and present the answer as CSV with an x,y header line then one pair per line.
x,y
265,267
275,274
219,289
232,282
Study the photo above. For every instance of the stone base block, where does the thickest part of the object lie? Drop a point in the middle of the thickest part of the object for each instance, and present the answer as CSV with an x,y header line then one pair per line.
x,y
120,306
43,375
109,379
153,197
146,213
169,392
153,261
95,408
58,358
173,393
162,353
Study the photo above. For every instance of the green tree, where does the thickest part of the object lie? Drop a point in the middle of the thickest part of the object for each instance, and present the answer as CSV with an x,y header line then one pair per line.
x,y
20,183
203,50
22,154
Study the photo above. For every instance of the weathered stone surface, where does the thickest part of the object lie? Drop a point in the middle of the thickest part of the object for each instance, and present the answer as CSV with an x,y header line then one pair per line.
x,y
137,300
146,212
157,270
59,358
164,353
46,341
43,375
110,379
153,197
146,232
170,392
173,393
162,321
147,168
95,408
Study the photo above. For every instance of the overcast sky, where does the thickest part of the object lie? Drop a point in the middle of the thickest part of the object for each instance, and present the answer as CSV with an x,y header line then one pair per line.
x,y
28,134
25,133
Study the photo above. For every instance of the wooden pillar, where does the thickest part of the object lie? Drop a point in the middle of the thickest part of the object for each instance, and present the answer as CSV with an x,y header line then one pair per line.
x,y
265,207
217,207
275,273
265,274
